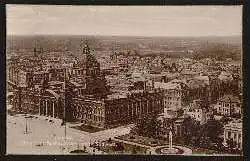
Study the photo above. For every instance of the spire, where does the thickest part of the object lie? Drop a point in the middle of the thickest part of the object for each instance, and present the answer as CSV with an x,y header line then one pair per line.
x,y
85,47
35,54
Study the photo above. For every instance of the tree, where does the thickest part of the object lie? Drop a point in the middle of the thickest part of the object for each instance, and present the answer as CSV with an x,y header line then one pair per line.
x,y
147,126
218,51
153,127
139,126
191,131
119,147
213,129
134,150
167,125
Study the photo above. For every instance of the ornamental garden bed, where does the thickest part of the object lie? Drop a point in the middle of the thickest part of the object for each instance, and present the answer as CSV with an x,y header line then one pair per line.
x,y
204,151
88,128
143,140
116,147
78,151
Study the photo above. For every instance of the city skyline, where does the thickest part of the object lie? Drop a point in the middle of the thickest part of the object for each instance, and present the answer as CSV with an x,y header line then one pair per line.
x,y
149,81
103,20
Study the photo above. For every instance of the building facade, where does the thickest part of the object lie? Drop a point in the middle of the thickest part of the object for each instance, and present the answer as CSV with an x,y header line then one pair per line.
x,y
198,110
174,97
228,105
116,111
233,132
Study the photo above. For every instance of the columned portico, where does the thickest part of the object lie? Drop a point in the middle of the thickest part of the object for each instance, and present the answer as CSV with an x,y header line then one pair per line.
x,y
233,131
50,104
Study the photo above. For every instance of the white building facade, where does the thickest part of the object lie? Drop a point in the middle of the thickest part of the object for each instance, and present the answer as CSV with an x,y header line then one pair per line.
x,y
233,130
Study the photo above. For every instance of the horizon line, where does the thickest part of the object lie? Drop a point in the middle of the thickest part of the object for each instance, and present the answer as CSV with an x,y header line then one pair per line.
x,y
240,35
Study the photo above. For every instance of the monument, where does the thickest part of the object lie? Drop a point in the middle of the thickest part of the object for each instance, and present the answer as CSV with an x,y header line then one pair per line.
x,y
172,150
170,140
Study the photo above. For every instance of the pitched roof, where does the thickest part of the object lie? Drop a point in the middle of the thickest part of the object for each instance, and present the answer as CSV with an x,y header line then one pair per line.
x,y
230,98
169,85
53,93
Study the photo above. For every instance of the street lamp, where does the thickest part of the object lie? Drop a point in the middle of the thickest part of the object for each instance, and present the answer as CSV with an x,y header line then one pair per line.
x,y
64,112
26,125
90,141
65,123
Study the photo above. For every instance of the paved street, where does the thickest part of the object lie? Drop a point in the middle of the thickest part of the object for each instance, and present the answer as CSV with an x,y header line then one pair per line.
x,y
45,137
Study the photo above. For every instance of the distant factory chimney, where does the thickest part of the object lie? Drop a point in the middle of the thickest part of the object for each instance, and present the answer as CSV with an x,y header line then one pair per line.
x,y
35,54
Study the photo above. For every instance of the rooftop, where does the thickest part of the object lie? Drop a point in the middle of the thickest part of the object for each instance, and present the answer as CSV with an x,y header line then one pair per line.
x,y
75,84
168,85
116,96
55,82
230,98
234,124
53,93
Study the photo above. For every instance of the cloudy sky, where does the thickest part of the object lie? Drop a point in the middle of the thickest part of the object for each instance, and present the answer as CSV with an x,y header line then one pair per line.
x,y
124,20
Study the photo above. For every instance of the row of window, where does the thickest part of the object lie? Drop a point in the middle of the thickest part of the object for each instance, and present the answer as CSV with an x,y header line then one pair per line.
x,y
94,110
78,72
81,116
173,93
172,98
233,135
227,105
223,110
227,111
93,72
172,103
196,116
134,109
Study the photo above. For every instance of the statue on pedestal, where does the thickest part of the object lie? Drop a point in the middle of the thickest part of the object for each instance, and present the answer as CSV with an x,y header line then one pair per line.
x,y
170,139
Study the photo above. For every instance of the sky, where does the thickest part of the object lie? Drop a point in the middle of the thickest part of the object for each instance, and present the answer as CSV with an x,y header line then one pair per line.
x,y
124,20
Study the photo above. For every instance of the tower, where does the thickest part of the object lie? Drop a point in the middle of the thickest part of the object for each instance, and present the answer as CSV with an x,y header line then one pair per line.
x,y
213,90
35,53
95,81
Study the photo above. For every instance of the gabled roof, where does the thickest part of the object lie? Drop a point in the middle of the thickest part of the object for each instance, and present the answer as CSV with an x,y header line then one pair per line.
x,y
169,85
53,93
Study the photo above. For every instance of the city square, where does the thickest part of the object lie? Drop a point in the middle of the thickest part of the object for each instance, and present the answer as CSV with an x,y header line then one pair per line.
x,y
139,92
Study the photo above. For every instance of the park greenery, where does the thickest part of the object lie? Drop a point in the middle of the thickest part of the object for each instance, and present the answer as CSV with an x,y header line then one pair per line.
x,y
194,134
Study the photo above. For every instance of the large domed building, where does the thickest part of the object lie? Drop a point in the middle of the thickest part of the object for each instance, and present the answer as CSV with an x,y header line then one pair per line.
x,y
86,73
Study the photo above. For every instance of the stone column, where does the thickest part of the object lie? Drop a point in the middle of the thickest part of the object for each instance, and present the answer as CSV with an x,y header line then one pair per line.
x,y
56,109
180,130
225,136
128,112
53,109
43,108
135,108
138,108
240,140
39,107
152,107
132,110
237,139
46,108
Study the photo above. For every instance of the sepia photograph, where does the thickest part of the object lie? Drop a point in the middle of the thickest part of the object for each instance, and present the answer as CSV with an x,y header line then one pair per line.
x,y
124,80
